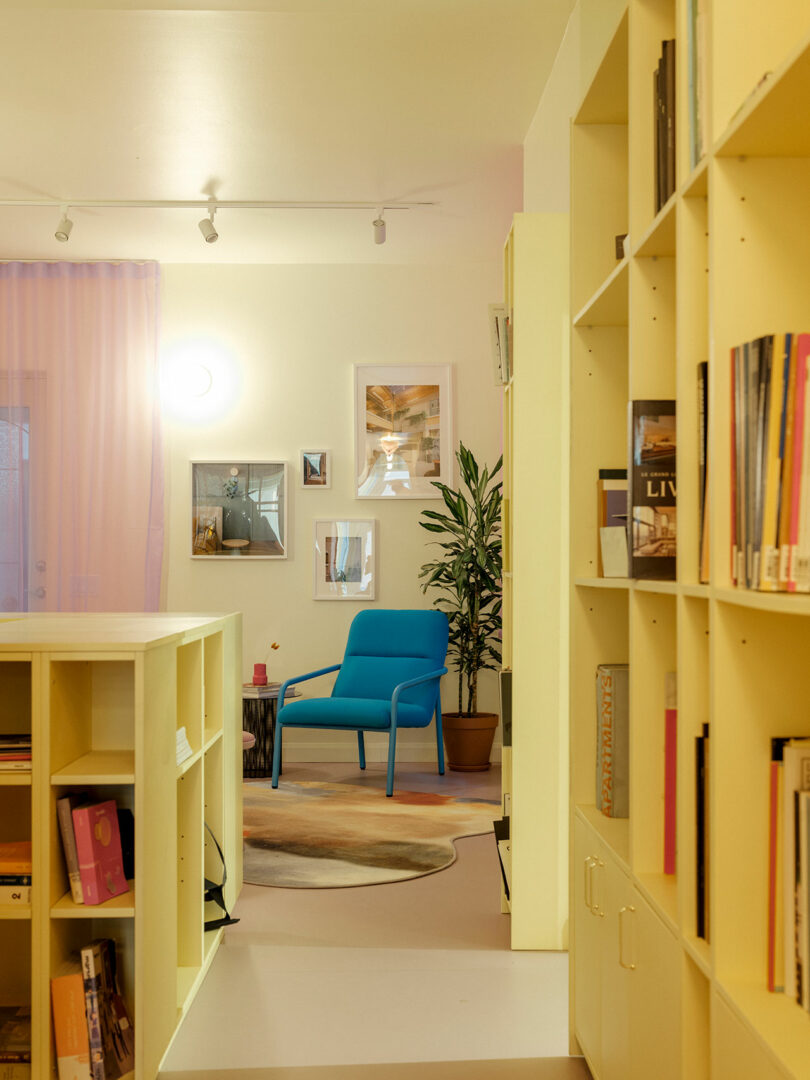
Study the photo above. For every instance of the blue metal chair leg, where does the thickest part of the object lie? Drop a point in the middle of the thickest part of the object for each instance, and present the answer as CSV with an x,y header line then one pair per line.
x,y
361,747
392,753
439,738
276,755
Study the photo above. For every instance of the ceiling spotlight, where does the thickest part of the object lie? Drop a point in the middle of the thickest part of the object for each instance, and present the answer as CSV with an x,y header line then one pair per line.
x,y
210,234
62,233
379,228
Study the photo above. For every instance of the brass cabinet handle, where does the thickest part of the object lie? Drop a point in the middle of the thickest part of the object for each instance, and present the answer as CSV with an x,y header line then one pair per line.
x,y
628,909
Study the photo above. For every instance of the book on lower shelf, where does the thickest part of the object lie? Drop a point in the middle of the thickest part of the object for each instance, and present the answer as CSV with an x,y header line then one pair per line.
x,y
110,1032
15,858
15,888
613,740
15,1034
702,822
98,847
70,1022
651,491
670,770
15,752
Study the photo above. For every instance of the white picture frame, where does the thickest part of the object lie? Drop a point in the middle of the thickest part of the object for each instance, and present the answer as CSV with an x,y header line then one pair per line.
x,y
315,469
239,510
404,434
344,559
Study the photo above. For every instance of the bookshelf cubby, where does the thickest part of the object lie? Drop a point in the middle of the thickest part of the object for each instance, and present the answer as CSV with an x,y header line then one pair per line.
x,y
102,696
717,266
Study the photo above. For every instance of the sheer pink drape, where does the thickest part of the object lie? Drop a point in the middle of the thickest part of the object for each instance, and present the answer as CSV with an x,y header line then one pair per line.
x,y
81,477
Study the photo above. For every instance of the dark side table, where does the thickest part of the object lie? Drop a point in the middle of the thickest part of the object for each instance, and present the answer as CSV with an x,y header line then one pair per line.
x,y
259,718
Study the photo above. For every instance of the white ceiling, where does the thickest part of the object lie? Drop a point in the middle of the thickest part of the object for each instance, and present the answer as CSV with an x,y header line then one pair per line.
x,y
379,100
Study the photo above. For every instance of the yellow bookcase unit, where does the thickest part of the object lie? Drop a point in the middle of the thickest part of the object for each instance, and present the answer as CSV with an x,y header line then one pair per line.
x,y
103,697
722,262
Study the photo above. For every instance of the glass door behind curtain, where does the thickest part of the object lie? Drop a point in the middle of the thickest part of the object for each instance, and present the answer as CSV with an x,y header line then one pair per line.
x,y
23,569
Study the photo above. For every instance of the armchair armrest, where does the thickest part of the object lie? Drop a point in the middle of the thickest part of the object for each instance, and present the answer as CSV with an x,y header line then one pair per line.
x,y
413,682
303,678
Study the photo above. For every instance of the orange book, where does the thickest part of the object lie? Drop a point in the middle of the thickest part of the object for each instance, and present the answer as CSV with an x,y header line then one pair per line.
x,y
15,857
70,1024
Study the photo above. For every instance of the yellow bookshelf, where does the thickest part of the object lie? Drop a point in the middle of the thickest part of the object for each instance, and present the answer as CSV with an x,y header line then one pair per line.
x,y
102,696
719,264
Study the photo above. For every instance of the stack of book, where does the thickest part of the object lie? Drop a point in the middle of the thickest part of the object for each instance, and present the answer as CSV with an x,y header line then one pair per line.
x,y
15,1042
770,464
91,843
92,1029
269,690
15,752
15,872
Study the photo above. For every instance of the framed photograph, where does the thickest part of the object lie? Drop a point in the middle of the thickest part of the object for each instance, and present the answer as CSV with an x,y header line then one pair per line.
x,y
403,430
345,559
239,509
316,469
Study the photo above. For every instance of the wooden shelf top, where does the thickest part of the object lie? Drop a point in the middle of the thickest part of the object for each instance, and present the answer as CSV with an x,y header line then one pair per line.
x,y
774,121
117,907
15,911
15,778
90,632
99,767
608,305
659,239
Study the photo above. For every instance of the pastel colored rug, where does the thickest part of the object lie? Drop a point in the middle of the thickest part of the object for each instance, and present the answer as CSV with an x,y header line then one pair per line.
x,y
319,835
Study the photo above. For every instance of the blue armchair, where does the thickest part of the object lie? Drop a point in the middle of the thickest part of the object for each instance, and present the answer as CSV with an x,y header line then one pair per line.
x,y
389,678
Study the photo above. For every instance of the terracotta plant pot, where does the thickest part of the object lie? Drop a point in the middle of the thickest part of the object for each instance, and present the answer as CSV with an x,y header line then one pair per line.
x,y
468,740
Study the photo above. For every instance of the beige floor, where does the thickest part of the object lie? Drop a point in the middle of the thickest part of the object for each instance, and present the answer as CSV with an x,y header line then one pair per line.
x,y
386,981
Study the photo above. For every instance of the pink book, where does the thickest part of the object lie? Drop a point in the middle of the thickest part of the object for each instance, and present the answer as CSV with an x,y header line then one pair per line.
x,y
670,773
798,447
98,845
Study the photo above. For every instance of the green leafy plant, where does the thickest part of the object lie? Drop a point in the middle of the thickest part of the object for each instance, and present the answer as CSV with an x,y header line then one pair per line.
x,y
468,574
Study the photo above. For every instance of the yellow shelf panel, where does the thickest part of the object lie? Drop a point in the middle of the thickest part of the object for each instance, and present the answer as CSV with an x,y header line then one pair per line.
x,y
783,603
659,239
603,583
608,305
117,907
99,767
15,911
661,890
780,1022
186,981
775,119
16,778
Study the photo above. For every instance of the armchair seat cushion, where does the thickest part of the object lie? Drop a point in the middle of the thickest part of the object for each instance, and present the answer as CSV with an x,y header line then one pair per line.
x,y
352,713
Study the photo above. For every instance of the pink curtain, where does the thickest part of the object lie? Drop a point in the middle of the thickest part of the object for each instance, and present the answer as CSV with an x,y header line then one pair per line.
x,y
81,477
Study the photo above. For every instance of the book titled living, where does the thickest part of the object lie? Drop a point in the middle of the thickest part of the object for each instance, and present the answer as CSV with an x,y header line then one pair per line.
x,y
651,491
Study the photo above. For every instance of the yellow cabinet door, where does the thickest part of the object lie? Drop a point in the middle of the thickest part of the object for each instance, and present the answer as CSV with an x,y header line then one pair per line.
x,y
655,1033
587,995
615,897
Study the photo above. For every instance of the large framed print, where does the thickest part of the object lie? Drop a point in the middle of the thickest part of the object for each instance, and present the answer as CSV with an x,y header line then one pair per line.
x,y
345,559
239,509
403,430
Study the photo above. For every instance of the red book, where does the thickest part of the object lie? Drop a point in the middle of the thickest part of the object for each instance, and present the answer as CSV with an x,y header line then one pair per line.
x,y
670,773
98,845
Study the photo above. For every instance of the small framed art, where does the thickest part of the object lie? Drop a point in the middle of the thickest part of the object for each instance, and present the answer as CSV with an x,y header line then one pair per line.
x,y
316,469
239,509
403,430
345,559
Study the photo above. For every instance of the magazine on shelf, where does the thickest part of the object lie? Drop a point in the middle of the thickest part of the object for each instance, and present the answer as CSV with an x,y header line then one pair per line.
x,y
651,493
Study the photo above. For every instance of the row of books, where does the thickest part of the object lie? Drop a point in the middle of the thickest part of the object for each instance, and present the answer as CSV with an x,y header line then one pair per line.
x,y
15,1042
91,834
789,869
770,463
664,116
92,1029
15,751
613,750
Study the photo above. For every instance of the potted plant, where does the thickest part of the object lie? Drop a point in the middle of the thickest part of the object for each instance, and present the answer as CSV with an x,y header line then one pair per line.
x,y
468,578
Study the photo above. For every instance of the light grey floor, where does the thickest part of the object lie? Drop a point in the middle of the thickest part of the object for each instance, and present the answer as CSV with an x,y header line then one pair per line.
x,y
382,981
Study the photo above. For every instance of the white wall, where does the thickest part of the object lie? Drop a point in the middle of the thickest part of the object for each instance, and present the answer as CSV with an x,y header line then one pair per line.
x,y
293,334
546,148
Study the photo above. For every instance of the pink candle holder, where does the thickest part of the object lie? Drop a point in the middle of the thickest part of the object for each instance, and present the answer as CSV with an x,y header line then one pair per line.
x,y
260,674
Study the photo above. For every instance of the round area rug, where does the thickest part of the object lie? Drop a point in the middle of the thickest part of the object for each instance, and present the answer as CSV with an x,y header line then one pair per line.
x,y
317,835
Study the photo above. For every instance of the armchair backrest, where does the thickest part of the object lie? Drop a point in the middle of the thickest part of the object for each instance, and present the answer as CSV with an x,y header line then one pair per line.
x,y
387,647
